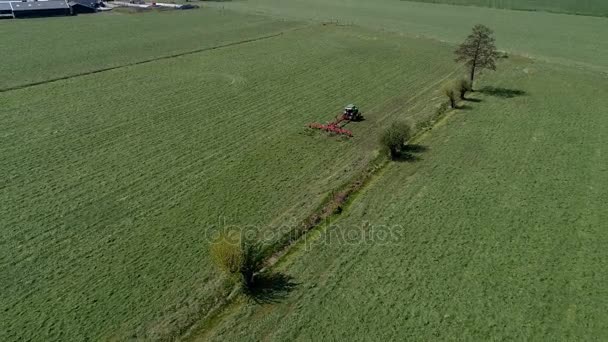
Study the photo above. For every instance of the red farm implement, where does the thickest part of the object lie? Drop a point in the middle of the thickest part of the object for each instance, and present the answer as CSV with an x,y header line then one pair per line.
x,y
351,113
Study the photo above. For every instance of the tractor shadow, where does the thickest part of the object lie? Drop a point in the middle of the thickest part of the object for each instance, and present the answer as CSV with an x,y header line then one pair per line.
x,y
271,287
410,153
504,93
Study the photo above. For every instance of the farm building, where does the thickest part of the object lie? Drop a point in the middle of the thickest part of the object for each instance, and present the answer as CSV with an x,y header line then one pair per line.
x,y
84,6
23,9
6,11
46,8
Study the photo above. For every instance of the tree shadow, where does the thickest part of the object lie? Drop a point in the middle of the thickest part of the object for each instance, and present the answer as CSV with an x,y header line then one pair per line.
x,y
271,287
409,153
415,148
504,93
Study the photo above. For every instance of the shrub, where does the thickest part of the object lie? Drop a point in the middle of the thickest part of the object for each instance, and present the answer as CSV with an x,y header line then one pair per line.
x,y
241,260
226,253
452,93
463,86
394,137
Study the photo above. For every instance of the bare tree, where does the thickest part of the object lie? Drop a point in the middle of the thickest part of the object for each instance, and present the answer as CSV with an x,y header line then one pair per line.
x,y
452,93
478,51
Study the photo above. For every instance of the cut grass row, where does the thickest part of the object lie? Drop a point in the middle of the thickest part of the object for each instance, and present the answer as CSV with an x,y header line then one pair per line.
x,y
496,233
109,200
583,7
565,39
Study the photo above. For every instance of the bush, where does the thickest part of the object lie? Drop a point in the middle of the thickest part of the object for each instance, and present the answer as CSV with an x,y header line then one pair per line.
x,y
452,93
226,253
241,260
394,137
463,86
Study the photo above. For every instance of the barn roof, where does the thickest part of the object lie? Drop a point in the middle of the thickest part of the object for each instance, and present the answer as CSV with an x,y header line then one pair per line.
x,y
39,5
87,3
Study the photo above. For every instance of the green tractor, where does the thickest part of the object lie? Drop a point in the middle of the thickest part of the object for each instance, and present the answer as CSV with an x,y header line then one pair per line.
x,y
351,113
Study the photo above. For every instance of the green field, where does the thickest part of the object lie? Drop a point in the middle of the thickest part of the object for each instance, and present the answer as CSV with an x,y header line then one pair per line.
x,y
126,145
564,39
583,7
120,175
116,39
496,233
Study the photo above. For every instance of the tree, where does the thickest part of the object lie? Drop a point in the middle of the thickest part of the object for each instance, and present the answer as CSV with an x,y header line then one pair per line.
x,y
394,137
253,262
478,51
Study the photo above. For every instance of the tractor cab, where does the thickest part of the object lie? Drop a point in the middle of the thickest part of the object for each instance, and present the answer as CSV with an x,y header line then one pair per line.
x,y
351,112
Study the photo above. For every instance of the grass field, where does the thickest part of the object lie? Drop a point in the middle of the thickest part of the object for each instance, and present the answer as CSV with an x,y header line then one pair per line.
x,y
88,43
125,145
496,233
565,39
114,179
583,7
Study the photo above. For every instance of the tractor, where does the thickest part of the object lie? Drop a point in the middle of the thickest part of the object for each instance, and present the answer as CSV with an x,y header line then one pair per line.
x,y
351,113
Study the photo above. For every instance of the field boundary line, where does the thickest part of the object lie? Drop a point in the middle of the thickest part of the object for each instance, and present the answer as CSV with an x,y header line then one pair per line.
x,y
155,59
